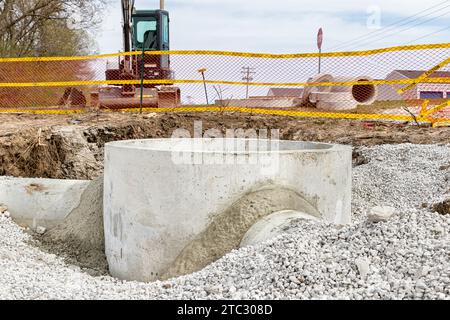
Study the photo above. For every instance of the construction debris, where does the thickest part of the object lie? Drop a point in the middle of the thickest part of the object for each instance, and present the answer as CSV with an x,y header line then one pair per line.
x,y
381,214
442,207
363,265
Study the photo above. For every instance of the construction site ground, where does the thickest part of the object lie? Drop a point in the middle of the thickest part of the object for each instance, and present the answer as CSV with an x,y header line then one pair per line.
x,y
71,146
396,164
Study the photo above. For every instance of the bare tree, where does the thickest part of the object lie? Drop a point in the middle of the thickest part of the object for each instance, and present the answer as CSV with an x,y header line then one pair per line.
x,y
50,27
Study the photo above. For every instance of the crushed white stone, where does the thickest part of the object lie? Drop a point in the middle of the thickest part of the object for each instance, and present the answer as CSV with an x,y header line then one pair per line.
x,y
405,257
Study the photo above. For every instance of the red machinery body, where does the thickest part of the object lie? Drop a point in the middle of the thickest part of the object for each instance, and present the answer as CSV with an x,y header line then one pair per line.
x,y
143,31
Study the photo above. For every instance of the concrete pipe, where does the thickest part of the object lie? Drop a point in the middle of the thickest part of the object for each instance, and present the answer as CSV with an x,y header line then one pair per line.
x,y
41,202
273,226
173,206
364,94
334,101
332,96
308,90
337,105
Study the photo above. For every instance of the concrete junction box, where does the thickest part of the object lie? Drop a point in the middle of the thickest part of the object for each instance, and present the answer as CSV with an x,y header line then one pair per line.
x,y
172,206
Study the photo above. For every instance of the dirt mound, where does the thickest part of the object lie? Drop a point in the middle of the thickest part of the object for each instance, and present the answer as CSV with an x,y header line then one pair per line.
x,y
80,237
30,152
48,153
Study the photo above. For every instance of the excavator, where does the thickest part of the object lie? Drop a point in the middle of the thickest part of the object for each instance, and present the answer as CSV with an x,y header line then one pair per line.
x,y
143,31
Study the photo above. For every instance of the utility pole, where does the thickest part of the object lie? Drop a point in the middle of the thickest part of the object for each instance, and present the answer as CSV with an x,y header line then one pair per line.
x,y
248,74
202,71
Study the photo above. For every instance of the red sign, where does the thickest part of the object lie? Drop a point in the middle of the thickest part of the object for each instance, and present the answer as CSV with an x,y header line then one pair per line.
x,y
320,39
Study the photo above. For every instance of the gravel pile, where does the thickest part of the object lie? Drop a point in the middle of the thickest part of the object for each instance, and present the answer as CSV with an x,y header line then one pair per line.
x,y
404,176
406,257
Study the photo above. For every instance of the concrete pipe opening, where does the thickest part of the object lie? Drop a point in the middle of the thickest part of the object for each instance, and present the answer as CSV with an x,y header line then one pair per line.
x,y
272,226
365,93
361,94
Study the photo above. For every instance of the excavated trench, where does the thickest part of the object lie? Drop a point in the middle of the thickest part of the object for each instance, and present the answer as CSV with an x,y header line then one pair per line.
x,y
72,147
75,151
69,152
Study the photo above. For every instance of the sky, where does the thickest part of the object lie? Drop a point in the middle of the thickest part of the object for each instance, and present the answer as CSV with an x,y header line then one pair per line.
x,y
287,26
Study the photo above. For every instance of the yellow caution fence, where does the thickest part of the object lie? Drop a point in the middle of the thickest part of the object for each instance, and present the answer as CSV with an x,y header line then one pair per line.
x,y
404,83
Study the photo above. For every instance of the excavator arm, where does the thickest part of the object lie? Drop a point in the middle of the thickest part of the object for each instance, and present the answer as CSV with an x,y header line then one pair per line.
x,y
127,10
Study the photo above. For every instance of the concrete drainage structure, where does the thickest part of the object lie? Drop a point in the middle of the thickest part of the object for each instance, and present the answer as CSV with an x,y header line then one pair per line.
x,y
327,98
339,98
173,206
41,202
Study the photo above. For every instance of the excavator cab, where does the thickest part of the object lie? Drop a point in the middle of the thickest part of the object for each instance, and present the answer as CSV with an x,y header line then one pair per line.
x,y
151,33
150,30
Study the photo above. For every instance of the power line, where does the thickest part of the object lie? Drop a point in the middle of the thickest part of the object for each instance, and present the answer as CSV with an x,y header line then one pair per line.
x,y
429,34
394,24
402,30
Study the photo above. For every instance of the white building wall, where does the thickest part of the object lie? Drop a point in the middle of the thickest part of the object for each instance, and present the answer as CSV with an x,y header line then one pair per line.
x,y
389,92
436,87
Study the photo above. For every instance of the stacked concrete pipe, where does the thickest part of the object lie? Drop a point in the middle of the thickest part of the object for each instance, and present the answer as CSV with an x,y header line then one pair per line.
x,y
339,98
173,206
310,92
